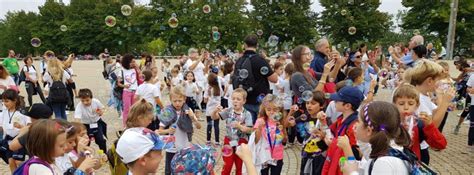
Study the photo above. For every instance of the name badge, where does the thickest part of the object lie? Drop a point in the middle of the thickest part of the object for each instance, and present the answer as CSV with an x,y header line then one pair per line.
x,y
94,125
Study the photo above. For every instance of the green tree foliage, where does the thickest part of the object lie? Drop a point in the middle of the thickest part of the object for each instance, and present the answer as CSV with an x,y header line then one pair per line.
x,y
340,15
156,47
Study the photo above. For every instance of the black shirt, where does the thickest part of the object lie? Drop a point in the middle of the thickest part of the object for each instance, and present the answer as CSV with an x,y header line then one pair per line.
x,y
262,86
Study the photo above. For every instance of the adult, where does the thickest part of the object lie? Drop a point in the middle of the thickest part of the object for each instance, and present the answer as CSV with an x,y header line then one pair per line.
x,y
56,73
195,64
369,68
128,80
322,56
407,59
261,74
31,82
301,80
6,81
417,53
11,64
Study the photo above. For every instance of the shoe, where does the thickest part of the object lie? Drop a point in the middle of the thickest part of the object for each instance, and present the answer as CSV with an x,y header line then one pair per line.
x,y
456,130
466,122
67,112
217,144
208,143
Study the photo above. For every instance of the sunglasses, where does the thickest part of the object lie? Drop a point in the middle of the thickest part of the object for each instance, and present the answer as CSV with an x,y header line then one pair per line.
x,y
358,56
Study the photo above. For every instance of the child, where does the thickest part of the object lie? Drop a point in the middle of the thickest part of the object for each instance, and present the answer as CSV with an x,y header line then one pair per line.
x,y
470,136
276,87
270,128
347,100
90,110
179,120
150,93
11,122
425,77
140,149
141,114
238,126
166,69
212,97
191,90
379,125
47,139
225,82
175,79
406,98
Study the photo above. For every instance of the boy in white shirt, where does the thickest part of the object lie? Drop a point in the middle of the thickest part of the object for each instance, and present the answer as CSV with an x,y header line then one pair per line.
x,y
89,111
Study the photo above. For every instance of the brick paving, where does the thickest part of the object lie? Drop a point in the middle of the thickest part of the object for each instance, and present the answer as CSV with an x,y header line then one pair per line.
x,y
448,161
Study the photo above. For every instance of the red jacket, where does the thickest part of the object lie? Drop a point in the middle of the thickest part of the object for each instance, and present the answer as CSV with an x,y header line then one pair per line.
x,y
334,153
432,136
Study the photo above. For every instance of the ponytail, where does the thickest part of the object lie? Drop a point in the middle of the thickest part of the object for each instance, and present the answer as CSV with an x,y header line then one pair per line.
x,y
380,144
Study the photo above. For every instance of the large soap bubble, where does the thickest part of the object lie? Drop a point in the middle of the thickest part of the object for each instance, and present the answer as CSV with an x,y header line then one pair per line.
x,y
216,36
35,42
110,21
126,10
173,22
273,41
259,32
63,28
352,30
206,9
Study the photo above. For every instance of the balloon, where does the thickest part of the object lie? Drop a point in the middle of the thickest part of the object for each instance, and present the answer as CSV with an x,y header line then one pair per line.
x,y
352,30
63,28
173,22
126,10
110,21
35,42
206,9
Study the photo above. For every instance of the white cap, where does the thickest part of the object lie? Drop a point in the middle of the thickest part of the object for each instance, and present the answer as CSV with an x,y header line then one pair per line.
x,y
136,142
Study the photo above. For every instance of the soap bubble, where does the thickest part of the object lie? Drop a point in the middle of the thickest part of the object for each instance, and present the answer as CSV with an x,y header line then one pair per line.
x,y
260,98
264,70
303,117
338,46
352,30
243,73
185,29
343,12
35,42
216,36
351,18
173,15
160,9
208,46
278,116
63,28
215,29
259,18
206,9
307,95
327,95
166,115
301,88
227,151
173,22
126,10
20,38
272,41
259,32
119,42
110,21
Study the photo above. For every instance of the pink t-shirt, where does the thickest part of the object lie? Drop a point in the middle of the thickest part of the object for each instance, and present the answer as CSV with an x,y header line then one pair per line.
x,y
276,147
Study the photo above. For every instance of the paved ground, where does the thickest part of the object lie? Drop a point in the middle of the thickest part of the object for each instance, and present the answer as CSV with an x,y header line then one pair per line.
x,y
449,161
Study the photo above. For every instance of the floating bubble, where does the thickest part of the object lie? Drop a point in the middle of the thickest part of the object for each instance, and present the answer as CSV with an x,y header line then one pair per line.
x,y
216,36
20,38
173,22
110,21
173,15
259,18
126,10
351,18
343,12
35,42
63,28
206,9
250,89
208,46
327,95
352,30
227,151
307,95
243,73
185,29
338,46
259,32
166,115
264,70
291,118
303,117
119,42
301,88
350,2
273,41
463,20
278,116
160,9
260,98
214,29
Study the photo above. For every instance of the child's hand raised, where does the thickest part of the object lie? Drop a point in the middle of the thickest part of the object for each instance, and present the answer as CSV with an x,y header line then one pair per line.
x,y
244,152
427,120
322,117
343,142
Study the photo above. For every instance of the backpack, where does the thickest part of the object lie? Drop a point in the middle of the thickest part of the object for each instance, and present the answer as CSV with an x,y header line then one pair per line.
x,y
243,66
22,75
416,167
117,167
58,92
24,168
118,91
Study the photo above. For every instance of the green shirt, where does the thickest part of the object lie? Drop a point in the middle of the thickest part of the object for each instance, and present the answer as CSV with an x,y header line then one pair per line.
x,y
11,64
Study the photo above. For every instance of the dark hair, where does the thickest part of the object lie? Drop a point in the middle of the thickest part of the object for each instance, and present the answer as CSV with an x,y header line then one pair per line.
x,y
214,84
277,65
462,64
12,95
4,72
420,51
27,58
147,74
126,60
319,97
298,64
251,40
144,54
186,74
384,119
289,69
85,93
362,45
228,67
354,73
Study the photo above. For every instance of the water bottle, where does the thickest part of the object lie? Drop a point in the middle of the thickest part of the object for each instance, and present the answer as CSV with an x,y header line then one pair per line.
x,y
102,157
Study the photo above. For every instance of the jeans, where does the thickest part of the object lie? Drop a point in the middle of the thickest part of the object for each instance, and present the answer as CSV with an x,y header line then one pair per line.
x,y
168,158
253,109
16,78
97,134
59,110
210,124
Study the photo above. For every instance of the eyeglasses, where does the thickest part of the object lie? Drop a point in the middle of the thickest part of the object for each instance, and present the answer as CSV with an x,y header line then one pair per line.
x,y
307,53
358,56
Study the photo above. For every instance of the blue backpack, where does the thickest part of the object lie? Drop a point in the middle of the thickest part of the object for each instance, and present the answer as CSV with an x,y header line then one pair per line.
x,y
25,167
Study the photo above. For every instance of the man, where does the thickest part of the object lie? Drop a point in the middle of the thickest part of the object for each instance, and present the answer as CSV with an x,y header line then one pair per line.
x,y
407,60
195,65
261,74
11,64
321,57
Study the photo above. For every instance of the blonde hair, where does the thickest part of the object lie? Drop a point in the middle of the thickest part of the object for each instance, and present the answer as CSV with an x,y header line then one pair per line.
x,y
423,70
140,110
55,69
177,91
407,91
241,91
270,99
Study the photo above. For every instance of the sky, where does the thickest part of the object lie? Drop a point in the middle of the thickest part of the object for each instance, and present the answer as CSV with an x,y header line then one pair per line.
x,y
390,6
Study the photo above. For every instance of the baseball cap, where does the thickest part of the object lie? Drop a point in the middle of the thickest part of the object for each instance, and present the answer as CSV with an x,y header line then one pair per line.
x,y
39,111
136,142
349,94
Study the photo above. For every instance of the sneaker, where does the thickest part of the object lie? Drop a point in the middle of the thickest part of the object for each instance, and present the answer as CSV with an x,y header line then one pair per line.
x,y
208,143
466,122
217,144
456,130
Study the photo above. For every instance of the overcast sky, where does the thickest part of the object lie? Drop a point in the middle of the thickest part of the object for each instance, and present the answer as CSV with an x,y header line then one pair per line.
x,y
390,6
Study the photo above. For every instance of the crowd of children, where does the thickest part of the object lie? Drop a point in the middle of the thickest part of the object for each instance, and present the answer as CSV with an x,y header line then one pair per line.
x,y
331,115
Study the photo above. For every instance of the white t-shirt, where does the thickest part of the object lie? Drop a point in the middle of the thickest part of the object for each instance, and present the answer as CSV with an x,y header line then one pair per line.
x,y
8,119
158,86
47,78
283,90
226,83
212,101
190,89
130,78
88,114
426,105
7,82
39,169
149,92
384,165
43,65
63,163
198,72
175,81
470,83
31,71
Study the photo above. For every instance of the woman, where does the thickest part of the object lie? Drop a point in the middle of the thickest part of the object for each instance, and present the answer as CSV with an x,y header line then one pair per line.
x,y
31,82
56,73
128,79
149,63
6,81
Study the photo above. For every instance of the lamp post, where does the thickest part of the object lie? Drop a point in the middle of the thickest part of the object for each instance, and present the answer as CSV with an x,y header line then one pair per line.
x,y
451,29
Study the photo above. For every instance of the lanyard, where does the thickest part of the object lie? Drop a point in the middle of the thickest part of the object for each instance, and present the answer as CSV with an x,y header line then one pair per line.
x,y
10,117
270,138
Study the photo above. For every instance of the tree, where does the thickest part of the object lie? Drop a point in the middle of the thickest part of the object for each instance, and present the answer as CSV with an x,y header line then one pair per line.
x,y
156,47
369,23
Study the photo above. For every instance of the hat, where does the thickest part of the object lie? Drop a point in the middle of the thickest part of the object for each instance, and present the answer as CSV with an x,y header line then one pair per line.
x,y
39,111
195,159
349,94
136,142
